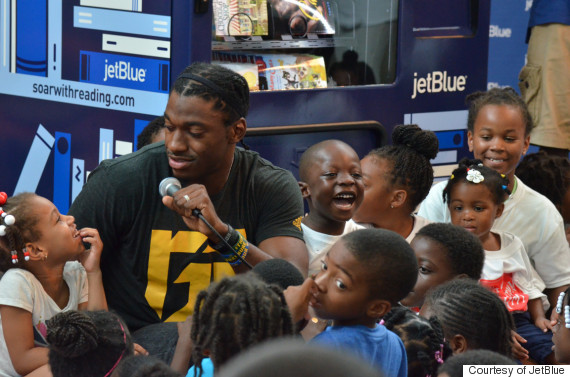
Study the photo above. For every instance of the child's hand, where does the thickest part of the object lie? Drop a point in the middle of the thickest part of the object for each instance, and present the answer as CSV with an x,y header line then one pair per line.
x,y
298,298
184,329
553,319
90,258
519,351
543,324
139,350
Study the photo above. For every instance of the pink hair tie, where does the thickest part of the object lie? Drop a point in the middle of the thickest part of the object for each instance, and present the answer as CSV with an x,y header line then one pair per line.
x,y
122,353
439,354
382,322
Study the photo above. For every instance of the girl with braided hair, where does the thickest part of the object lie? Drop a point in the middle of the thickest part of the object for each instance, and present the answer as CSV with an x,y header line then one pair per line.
x,y
423,339
498,134
231,316
471,316
47,271
87,344
396,179
475,195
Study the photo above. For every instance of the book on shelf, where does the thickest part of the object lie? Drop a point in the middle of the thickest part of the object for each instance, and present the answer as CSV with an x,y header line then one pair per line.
x,y
302,17
240,17
277,71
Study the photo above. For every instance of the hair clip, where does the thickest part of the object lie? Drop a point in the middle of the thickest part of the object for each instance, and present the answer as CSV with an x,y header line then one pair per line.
x,y
382,322
452,176
8,219
504,187
474,176
3,198
14,256
439,354
567,316
559,302
503,176
479,164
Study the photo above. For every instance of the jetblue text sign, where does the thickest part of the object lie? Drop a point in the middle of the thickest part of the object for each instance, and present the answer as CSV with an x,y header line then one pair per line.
x,y
124,71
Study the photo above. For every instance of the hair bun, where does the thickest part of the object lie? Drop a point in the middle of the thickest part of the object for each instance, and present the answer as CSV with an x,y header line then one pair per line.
x,y
71,334
467,162
422,141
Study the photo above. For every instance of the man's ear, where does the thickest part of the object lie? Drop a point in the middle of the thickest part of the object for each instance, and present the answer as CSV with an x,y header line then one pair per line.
x,y
458,344
470,140
378,308
305,190
238,131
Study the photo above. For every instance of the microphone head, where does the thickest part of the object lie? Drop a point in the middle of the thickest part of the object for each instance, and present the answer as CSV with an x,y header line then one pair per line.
x,y
169,186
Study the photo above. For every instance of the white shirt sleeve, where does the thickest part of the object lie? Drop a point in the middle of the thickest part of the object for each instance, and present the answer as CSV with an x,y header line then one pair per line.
x,y
433,208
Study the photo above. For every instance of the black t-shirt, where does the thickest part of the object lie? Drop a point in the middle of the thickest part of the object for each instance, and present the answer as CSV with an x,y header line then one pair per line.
x,y
153,265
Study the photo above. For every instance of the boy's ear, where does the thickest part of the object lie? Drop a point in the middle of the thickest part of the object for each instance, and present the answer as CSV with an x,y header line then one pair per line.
x,y
305,190
36,253
458,344
500,209
470,140
398,198
378,308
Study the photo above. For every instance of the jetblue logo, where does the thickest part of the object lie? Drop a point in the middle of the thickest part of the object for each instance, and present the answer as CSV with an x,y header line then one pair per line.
x,y
497,32
123,71
436,82
491,85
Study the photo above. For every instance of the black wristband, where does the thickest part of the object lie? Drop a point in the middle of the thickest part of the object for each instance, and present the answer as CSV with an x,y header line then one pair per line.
x,y
232,237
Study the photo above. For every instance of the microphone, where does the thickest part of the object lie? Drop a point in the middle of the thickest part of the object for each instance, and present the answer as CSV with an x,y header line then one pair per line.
x,y
169,186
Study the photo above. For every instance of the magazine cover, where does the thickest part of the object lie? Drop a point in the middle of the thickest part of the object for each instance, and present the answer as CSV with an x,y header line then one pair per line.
x,y
301,17
247,70
220,57
294,71
240,17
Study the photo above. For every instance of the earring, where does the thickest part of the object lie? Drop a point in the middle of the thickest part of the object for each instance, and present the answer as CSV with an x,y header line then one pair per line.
x,y
44,257
391,206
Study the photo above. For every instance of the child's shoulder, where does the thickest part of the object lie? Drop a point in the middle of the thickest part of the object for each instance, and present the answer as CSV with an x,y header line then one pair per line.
x,y
510,245
74,273
14,274
73,268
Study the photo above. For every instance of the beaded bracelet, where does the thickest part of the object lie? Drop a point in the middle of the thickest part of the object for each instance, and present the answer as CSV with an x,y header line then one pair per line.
x,y
238,243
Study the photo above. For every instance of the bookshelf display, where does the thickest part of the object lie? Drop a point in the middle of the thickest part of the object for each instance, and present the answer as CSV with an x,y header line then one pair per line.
x,y
307,44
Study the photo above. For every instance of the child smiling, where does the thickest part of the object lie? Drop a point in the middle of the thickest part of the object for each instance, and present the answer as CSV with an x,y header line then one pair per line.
x,y
331,182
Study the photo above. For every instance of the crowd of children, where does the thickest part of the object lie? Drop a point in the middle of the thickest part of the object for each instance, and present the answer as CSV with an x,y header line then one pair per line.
x,y
479,275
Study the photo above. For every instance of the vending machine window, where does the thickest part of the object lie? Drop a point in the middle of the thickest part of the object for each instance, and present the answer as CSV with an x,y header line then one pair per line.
x,y
307,44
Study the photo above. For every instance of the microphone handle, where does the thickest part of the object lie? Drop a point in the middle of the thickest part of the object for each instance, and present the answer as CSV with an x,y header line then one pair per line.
x,y
196,212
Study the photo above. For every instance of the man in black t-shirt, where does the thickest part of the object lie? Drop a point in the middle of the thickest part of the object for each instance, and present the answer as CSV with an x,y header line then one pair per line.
x,y
157,256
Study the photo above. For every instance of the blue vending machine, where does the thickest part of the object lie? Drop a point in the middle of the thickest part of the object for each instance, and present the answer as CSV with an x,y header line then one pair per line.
x,y
79,79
